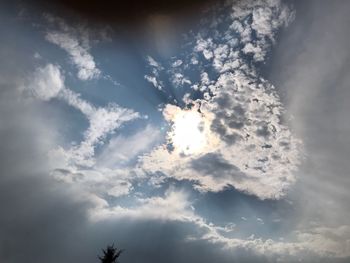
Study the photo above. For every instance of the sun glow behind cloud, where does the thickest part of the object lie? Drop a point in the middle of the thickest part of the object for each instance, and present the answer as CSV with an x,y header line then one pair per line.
x,y
188,132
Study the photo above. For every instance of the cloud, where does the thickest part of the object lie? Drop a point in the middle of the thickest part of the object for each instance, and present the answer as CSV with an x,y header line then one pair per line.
x,y
46,82
312,244
33,206
121,150
76,43
102,122
153,63
310,69
153,80
156,68
112,174
180,80
80,56
175,206
100,183
120,188
243,113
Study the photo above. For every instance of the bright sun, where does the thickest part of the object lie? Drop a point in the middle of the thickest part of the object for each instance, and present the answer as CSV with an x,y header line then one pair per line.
x,y
188,134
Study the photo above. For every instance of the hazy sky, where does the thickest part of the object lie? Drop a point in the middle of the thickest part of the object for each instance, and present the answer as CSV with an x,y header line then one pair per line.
x,y
213,132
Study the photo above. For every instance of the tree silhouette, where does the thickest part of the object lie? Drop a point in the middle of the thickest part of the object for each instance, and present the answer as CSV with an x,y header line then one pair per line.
x,y
110,254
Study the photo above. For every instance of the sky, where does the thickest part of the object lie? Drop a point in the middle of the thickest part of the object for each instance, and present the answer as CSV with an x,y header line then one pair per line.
x,y
193,132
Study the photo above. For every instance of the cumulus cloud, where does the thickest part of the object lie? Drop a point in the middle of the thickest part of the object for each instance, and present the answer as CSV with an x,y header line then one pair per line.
x,y
246,119
153,77
46,82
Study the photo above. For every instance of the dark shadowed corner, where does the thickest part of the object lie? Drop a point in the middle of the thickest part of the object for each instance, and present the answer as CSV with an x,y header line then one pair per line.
x,y
126,13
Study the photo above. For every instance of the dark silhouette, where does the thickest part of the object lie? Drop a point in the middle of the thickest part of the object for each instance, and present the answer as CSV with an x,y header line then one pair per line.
x,y
110,254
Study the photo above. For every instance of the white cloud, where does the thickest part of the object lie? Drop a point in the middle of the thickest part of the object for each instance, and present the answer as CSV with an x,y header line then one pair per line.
x,y
120,188
153,80
98,182
177,63
254,150
80,55
102,121
257,52
316,242
179,80
250,148
152,62
174,206
46,82
267,18
205,47
74,99
76,42
156,68
121,149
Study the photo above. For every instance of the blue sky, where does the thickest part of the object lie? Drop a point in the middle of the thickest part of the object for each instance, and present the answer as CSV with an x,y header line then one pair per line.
x,y
220,138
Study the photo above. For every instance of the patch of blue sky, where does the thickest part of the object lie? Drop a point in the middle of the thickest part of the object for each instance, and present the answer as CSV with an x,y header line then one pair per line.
x,y
263,218
72,123
126,69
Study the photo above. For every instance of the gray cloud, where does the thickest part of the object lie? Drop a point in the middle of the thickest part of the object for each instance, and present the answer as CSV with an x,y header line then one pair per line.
x,y
311,68
214,165
310,65
35,211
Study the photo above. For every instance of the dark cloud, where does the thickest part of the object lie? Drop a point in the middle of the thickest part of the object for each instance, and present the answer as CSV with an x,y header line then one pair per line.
x,y
215,165
40,220
132,12
234,120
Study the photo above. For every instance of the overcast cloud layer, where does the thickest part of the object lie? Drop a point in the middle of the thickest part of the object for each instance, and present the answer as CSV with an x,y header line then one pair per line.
x,y
90,146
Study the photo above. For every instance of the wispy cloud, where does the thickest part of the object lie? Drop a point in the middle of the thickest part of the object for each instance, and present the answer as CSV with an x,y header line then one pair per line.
x,y
76,42
47,83
175,206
